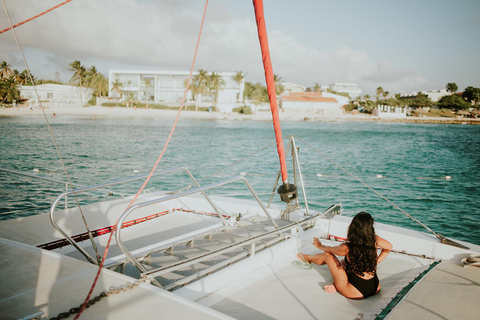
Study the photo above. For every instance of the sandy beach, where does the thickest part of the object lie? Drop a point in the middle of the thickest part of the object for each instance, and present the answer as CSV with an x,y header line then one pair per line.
x,y
53,110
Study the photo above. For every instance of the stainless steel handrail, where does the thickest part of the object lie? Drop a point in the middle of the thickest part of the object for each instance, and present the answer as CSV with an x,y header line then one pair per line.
x,y
85,189
67,185
175,196
191,261
295,161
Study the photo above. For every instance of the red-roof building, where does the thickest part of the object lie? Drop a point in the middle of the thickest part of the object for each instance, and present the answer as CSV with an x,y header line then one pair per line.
x,y
311,101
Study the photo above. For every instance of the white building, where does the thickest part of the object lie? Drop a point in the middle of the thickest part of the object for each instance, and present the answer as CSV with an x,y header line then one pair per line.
x,y
350,88
390,112
56,93
434,95
341,100
169,87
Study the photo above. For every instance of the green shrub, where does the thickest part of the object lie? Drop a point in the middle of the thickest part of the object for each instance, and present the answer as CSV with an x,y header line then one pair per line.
x,y
243,110
349,107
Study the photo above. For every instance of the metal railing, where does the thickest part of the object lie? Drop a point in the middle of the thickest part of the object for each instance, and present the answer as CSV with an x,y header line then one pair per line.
x,y
310,220
65,183
176,196
96,187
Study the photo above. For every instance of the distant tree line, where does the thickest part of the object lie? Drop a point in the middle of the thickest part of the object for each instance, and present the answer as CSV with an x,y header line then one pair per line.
x,y
454,102
89,78
209,84
257,93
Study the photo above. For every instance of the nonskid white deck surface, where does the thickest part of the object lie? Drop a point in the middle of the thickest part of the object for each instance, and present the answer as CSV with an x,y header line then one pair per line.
x,y
282,291
449,291
34,280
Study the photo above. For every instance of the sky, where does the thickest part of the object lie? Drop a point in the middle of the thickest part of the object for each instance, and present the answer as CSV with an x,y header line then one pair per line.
x,y
403,46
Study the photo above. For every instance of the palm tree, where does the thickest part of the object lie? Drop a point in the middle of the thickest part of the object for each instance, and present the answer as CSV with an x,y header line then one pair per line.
x,y
192,87
379,92
130,95
97,82
117,87
385,94
90,76
16,76
8,90
279,89
200,81
147,83
5,70
79,76
24,77
259,95
317,87
215,83
238,77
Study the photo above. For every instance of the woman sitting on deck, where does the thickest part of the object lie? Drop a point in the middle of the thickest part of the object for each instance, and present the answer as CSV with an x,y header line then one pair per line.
x,y
355,277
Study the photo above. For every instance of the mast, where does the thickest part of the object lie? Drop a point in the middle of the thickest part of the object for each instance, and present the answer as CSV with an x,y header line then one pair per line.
x,y
287,192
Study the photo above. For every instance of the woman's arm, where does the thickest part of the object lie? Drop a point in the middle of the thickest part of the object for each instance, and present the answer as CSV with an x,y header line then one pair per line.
x,y
340,250
386,246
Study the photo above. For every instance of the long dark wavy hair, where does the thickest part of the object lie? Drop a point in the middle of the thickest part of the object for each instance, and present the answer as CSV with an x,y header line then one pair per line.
x,y
361,242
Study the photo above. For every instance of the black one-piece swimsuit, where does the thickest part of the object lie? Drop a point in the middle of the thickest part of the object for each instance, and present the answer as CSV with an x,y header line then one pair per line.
x,y
366,287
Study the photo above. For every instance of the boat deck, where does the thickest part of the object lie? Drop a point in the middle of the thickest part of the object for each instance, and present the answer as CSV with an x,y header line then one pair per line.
x,y
283,291
260,283
43,281
449,291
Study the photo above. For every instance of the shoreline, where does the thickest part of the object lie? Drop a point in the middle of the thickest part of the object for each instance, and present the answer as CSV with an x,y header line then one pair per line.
x,y
122,112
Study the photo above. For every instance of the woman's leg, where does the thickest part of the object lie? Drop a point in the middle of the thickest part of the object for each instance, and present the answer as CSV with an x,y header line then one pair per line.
x,y
340,279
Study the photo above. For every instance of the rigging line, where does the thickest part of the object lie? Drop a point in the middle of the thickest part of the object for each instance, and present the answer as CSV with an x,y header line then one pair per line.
x,y
366,185
34,17
238,161
55,143
153,169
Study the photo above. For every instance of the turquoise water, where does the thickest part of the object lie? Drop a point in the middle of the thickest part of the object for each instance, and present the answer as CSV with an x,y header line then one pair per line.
x,y
413,160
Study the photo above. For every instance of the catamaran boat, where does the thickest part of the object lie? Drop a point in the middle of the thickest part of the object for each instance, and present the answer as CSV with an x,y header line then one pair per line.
x,y
192,255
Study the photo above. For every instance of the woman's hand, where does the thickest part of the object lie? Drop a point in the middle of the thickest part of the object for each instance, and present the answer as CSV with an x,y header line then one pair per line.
x,y
317,243
340,250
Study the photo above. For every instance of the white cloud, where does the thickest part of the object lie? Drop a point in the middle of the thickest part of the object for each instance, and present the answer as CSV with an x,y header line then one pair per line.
x,y
163,35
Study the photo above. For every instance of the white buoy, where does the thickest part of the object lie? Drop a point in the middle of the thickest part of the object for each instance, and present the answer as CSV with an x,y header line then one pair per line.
x,y
379,176
136,171
35,170
243,173
448,177
319,175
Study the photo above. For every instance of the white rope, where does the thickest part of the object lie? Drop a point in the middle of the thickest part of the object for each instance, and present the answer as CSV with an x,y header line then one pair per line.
x,y
53,138
439,236
471,261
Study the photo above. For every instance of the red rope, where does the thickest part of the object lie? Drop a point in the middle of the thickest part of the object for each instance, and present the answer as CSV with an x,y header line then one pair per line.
x,y
154,167
102,231
34,17
269,77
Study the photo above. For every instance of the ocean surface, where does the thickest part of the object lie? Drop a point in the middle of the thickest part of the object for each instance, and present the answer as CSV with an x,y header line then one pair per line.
x,y
405,162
